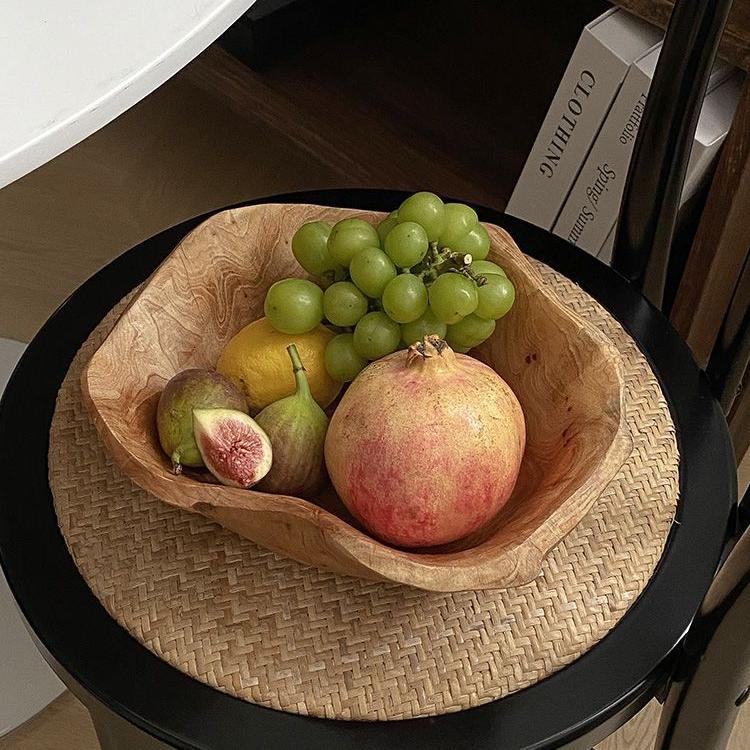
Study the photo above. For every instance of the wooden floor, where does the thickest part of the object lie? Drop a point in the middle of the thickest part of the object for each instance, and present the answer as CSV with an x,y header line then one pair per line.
x,y
176,154
65,725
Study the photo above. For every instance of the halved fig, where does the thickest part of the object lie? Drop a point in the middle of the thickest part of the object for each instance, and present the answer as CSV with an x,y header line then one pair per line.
x,y
234,448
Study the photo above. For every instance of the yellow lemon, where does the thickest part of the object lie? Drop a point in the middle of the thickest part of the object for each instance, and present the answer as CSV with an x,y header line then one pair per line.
x,y
256,359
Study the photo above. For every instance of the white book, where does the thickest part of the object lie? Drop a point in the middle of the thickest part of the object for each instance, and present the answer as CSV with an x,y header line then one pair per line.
x,y
606,49
713,126
591,209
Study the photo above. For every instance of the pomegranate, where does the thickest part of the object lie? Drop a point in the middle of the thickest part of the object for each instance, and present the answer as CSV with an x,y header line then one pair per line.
x,y
426,445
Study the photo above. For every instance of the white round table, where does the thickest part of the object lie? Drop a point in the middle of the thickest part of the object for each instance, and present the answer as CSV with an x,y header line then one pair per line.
x,y
69,68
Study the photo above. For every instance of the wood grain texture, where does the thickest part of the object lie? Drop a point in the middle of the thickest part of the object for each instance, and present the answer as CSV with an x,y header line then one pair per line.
x,y
640,732
743,474
735,44
721,243
566,374
739,420
352,143
458,116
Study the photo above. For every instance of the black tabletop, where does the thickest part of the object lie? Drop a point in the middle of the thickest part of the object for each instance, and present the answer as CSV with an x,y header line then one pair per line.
x,y
607,684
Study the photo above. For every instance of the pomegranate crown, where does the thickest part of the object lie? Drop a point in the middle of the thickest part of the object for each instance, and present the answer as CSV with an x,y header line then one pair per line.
x,y
431,347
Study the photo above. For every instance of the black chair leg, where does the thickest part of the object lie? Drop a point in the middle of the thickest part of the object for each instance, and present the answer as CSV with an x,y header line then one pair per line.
x,y
662,148
712,680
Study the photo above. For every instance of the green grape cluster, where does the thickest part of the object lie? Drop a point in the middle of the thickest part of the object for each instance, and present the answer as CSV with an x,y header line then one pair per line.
x,y
421,271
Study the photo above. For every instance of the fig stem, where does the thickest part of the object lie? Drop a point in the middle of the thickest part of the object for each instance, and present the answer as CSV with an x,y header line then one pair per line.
x,y
303,387
176,465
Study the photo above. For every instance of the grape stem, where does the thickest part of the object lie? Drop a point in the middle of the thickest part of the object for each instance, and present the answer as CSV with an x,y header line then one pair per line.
x,y
439,260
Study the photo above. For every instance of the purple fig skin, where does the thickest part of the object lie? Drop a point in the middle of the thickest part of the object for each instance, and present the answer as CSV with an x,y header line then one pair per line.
x,y
188,390
233,447
296,426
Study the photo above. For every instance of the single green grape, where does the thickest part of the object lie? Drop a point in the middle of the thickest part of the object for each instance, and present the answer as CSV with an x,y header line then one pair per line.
x,y
310,248
453,296
386,225
485,267
459,219
426,325
427,210
349,236
371,269
469,332
341,359
294,305
406,244
496,297
344,304
405,298
476,242
376,335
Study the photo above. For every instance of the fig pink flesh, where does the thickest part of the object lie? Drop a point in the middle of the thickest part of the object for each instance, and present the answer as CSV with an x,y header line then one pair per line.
x,y
233,450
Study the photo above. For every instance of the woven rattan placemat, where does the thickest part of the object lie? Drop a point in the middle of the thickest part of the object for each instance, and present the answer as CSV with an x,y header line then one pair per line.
x,y
280,634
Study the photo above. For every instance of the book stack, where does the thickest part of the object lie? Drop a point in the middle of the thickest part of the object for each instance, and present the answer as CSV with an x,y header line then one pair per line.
x,y
574,178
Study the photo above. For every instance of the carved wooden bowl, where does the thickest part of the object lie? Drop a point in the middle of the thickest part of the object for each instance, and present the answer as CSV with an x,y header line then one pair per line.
x,y
565,373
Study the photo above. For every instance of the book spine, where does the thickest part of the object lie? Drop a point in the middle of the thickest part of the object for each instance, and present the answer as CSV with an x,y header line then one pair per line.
x,y
579,107
590,213
592,206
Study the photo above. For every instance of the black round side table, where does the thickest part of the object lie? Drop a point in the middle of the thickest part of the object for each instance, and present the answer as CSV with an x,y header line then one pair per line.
x,y
138,701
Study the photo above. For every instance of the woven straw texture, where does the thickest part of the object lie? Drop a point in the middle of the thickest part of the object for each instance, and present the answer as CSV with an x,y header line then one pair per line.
x,y
280,634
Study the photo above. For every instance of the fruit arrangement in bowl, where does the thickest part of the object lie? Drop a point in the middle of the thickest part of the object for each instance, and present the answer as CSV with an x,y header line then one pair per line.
x,y
395,291
356,390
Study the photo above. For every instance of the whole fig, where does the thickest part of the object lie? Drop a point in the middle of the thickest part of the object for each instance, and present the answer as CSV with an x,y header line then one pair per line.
x,y
188,390
296,427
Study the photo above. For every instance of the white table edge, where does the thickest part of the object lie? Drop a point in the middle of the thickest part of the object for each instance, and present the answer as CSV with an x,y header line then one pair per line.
x,y
129,91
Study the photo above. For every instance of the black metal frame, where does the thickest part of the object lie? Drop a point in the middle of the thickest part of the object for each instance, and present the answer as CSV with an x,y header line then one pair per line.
x,y
660,155
712,678
577,707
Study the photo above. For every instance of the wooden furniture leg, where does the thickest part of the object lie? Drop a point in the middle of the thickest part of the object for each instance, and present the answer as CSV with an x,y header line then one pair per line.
x,y
729,367
651,199
713,679
739,420
721,243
